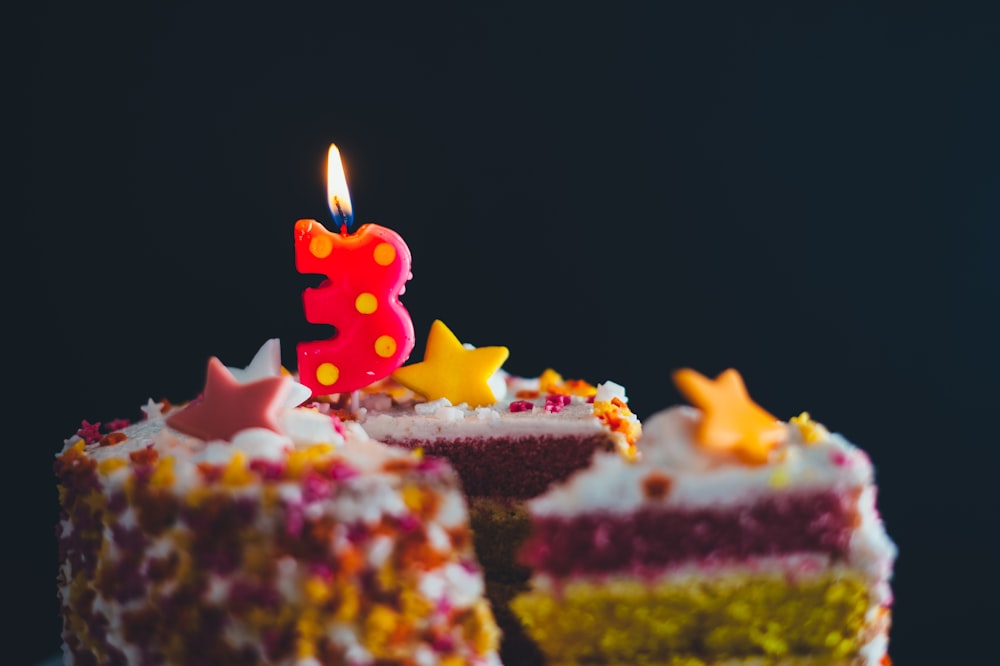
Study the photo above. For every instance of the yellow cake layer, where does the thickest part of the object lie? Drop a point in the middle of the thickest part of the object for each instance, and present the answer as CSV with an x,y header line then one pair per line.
x,y
698,621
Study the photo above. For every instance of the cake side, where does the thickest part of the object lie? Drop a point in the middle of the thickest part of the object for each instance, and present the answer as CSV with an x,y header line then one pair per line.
x,y
307,544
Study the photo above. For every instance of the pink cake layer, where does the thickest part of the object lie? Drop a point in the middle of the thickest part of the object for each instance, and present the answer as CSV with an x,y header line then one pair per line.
x,y
651,538
512,468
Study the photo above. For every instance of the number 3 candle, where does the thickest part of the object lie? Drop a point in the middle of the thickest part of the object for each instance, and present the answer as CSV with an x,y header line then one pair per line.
x,y
366,271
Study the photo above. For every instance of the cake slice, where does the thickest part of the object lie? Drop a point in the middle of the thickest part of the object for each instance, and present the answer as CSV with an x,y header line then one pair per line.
x,y
508,438
242,529
732,538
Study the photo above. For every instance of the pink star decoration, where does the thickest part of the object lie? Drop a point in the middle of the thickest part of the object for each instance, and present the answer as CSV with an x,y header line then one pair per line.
x,y
226,406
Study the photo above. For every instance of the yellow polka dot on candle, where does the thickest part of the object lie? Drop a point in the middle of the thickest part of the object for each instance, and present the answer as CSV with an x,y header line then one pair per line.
x,y
327,374
366,303
385,346
385,254
320,246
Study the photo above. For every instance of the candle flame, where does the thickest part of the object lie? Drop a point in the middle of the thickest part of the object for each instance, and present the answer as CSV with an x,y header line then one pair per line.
x,y
337,195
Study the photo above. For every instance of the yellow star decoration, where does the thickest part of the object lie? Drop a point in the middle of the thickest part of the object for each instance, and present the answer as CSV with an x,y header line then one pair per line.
x,y
732,421
451,371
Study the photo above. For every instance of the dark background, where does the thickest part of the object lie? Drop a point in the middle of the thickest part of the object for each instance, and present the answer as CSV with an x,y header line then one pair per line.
x,y
808,194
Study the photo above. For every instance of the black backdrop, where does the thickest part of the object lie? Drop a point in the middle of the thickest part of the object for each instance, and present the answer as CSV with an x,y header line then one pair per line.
x,y
808,194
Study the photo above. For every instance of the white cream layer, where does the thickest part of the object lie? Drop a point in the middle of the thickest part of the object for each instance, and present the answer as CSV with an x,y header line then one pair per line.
x,y
700,477
439,420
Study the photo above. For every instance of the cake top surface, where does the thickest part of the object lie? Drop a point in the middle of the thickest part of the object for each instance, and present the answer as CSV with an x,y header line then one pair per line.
x,y
523,407
681,461
256,417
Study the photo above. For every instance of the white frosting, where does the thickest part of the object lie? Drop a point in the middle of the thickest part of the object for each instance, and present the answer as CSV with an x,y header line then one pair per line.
x,y
871,550
301,427
609,391
412,418
699,476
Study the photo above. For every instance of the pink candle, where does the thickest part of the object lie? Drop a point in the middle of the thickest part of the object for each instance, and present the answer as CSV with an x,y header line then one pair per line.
x,y
366,271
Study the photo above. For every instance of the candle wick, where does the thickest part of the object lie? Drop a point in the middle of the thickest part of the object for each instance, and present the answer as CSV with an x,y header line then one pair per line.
x,y
340,215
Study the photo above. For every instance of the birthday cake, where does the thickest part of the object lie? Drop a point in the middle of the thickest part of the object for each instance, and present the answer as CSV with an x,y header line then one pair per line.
x,y
508,438
733,538
244,528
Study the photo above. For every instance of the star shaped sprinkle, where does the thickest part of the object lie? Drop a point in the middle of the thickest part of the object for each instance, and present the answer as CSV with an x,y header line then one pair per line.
x,y
91,432
226,406
267,363
731,420
453,371
152,409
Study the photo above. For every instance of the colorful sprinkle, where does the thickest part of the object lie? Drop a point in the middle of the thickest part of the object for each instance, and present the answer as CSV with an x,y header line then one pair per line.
x,y
810,431
90,432
656,485
554,403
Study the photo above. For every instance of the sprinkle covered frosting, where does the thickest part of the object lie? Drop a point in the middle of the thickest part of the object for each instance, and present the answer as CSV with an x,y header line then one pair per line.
x,y
575,407
302,543
700,475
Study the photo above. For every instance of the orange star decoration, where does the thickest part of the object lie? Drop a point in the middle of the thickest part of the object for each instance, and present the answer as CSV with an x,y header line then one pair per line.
x,y
731,421
450,370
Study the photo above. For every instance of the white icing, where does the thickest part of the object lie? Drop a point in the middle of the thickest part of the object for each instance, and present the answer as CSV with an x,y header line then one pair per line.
x,y
287,580
431,407
871,652
700,477
290,493
487,414
127,518
871,550
607,391
301,427
461,586
379,551
424,656
431,586
307,426
411,418
438,538
217,590
498,385
453,582
452,511
446,423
